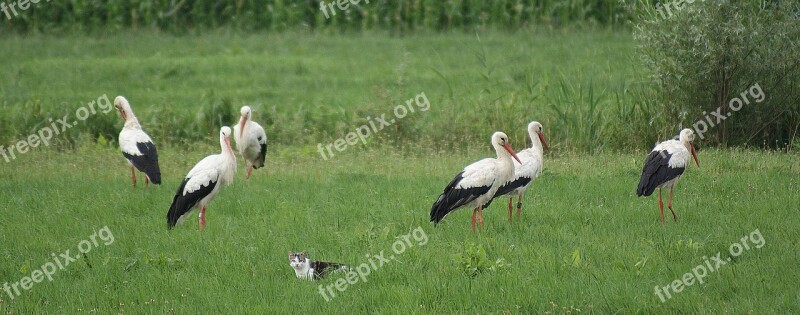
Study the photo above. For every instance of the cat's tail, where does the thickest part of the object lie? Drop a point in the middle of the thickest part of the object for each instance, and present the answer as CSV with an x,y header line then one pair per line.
x,y
327,268
342,267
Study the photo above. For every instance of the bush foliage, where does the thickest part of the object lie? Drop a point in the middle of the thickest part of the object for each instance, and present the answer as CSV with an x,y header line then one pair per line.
x,y
706,55
278,15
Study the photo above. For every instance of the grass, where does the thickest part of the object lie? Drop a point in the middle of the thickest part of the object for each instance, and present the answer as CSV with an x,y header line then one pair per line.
x,y
307,94
585,240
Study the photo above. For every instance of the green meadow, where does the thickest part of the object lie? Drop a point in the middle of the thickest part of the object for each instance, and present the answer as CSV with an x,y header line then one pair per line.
x,y
584,243
311,88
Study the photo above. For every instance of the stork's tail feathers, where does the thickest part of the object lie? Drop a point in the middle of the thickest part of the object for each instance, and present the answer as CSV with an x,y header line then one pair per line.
x,y
645,189
439,210
178,206
172,215
155,178
259,162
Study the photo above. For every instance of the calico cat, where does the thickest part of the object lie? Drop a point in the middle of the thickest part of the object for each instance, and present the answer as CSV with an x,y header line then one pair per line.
x,y
312,270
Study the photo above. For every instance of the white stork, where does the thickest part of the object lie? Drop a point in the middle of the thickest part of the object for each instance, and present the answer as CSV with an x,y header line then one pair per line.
x,y
204,182
477,183
251,140
665,165
532,161
137,146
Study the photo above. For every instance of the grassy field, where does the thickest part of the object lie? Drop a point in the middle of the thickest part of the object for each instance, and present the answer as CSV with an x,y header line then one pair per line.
x,y
585,240
585,244
310,88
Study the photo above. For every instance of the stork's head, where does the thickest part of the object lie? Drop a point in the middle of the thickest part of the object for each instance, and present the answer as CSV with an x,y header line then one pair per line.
x,y
225,137
225,132
500,142
247,113
535,129
687,137
122,106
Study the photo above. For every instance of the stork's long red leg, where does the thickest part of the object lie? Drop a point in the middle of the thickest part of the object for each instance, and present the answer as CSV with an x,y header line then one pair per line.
x,y
669,204
661,205
480,217
201,223
510,209
519,207
474,212
133,176
146,181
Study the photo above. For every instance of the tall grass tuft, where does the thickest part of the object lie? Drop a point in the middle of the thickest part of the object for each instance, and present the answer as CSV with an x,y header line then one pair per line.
x,y
579,119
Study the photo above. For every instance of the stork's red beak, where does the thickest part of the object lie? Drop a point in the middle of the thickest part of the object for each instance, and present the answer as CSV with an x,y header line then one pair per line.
x,y
694,155
544,143
508,148
241,125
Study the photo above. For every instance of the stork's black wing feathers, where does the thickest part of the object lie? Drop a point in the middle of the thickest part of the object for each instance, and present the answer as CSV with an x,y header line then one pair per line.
x,y
452,198
147,162
656,171
507,188
259,162
181,204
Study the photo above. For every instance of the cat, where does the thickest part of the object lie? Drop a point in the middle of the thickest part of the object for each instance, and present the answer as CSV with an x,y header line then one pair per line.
x,y
312,270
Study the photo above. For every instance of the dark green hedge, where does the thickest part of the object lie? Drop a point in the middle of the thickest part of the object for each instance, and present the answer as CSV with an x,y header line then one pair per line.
x,y
275,15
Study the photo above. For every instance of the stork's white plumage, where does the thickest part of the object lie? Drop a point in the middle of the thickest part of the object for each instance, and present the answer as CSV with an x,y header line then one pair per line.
x,y
251,140
532,161
477,183
665,165
203,182
137,146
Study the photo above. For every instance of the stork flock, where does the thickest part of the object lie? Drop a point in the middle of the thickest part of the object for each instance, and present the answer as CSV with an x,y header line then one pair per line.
x,y
206,178
475,186
478,184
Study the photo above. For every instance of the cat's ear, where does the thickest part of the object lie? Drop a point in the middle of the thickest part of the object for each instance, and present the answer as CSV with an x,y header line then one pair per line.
x,y
290,255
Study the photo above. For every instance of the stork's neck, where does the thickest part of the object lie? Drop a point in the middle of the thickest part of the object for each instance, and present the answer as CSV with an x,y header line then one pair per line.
x,y
686,145
243,123
130,120
536,144
685,140
502,154
226,147
229,160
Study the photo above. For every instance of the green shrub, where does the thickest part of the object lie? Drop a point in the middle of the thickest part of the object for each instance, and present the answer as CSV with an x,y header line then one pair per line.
x,y
474,261
703,55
